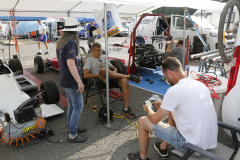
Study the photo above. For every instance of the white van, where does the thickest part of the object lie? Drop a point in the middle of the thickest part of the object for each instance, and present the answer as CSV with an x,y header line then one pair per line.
x,y
157,27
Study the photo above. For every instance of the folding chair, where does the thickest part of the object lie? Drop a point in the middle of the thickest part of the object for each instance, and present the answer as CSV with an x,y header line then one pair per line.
x,y
222,152
100,86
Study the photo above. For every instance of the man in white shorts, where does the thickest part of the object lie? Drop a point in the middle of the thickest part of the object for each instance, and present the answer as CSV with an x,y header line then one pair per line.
x,y
42,37
191,115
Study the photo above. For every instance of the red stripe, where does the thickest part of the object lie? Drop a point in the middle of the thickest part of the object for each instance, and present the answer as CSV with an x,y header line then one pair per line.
x,y
63,100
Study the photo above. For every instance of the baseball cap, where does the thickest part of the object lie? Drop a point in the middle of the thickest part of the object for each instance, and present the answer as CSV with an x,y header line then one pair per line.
x,y
92,21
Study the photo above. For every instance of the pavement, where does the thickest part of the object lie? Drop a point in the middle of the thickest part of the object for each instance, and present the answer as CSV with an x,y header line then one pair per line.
x,y
104,143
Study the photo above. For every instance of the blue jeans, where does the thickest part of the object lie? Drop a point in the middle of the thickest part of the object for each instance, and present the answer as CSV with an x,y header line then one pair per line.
x,y
169,134
75,106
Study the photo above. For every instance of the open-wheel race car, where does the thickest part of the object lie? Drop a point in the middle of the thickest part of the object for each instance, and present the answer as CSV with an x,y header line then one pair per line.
x,y
23,107
40,63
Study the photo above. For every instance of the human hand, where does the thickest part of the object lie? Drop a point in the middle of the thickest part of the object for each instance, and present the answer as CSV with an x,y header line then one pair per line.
x,y
172,41
157,104
80,87
145,107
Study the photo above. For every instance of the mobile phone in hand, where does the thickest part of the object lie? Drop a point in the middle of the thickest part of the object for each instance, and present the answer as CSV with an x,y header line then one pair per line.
x,y
151,105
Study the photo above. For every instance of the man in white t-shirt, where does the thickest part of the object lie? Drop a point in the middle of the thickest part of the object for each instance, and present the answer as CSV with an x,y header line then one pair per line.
x,y
42,37
191,115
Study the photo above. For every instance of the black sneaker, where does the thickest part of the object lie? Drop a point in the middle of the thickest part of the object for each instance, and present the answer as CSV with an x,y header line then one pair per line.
x,y
78,139
135,156
129,113
82,129
45,53
163,153
39,53
136,79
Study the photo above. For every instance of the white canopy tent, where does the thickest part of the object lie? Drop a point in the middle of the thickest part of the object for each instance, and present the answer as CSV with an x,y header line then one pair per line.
x,y
84,8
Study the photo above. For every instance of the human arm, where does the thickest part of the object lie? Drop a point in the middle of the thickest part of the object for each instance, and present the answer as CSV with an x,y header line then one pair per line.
x,y
114,69
155,117
87,74
168,50
73,69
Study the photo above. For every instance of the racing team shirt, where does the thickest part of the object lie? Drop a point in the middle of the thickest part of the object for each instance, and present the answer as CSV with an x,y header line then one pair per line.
x,y
41,28
67,52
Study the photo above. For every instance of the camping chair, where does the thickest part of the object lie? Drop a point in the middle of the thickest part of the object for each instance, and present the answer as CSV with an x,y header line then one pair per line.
x,y
222,152
100,86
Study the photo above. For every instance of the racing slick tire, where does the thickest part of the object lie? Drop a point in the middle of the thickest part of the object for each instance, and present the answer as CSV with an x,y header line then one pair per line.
x,y
51,93
119,65
38,64
15,65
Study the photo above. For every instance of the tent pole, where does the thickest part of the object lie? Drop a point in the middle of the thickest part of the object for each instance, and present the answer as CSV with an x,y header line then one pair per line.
x,y
184,45
107,67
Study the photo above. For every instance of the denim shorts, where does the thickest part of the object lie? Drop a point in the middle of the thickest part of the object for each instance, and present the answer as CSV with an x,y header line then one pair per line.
x,y
169,134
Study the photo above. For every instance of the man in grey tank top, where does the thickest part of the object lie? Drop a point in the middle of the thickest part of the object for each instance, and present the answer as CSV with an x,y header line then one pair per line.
x,y
94,67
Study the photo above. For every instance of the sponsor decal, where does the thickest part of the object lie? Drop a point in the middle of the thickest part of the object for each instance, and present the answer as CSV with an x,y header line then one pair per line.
x,y
26,130
113,32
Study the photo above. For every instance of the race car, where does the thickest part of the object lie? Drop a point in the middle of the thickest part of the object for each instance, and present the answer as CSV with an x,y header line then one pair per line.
x,y
40,64
23,107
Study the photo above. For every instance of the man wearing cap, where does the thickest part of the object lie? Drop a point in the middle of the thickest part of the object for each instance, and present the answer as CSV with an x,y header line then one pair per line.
x,y
42,37
91,38
70,74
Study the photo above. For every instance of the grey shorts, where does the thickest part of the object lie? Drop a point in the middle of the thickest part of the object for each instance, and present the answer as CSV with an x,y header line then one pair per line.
x,y
169,134
91,39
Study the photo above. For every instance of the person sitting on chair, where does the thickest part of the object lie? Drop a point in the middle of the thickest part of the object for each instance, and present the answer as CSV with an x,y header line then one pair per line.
x,y
95,68
191,115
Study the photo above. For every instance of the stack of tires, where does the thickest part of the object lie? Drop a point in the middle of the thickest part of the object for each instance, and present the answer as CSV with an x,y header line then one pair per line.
x,y
198,47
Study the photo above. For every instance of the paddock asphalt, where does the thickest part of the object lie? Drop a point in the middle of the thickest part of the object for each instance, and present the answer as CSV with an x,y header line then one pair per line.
x,y
103,143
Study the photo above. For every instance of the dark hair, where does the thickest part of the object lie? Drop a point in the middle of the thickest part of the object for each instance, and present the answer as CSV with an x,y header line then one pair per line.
x,y
180,42
96,44
171,63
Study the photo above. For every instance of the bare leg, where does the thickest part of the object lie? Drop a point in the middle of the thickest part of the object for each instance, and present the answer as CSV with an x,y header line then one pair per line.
x,y
112,75
39,45
123,83
46,45
145,127
171,123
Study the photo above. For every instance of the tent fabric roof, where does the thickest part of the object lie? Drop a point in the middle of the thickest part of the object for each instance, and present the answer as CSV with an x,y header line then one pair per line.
x,y
84,8
8,18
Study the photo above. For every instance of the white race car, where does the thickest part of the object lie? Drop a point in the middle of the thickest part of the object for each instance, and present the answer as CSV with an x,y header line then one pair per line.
x,y
22,111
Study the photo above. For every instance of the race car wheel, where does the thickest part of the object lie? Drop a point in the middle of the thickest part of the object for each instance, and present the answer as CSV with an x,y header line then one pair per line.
x,y
38,64
51,93
15,65
119,65
225,26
